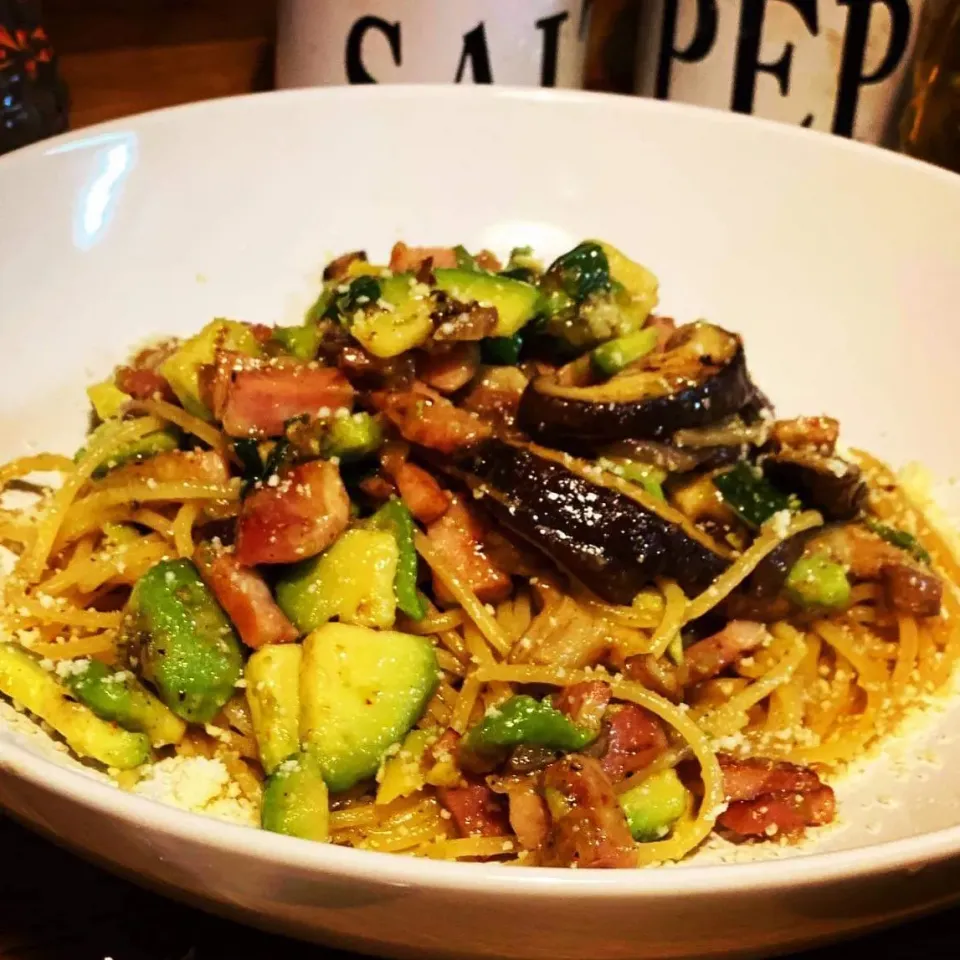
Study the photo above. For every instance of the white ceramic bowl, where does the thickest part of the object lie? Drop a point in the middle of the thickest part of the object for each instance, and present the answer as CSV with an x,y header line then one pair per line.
x,y
840,263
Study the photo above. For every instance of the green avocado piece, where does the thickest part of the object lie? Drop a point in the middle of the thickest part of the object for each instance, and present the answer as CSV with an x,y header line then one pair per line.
x,y
516,302
120,697
361,691
25,681
296,799
182,640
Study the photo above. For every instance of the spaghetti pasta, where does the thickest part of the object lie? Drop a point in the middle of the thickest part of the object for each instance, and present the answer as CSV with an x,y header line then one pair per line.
x,y
403,616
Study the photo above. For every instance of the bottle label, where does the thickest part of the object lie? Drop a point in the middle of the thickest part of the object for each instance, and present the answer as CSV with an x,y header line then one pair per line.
x,y
518,42
833,65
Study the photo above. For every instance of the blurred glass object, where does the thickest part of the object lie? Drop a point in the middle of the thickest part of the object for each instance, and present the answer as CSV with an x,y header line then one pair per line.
x,y
930,129
612,45
33,98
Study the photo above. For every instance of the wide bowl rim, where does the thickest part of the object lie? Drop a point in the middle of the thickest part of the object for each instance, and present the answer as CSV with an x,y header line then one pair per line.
x,y
908,854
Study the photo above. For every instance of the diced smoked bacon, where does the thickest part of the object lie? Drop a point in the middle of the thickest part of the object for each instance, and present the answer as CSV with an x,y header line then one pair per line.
x,y
709,656
450,369
143,384
635,738
404,259
258,400
476,810
911,591
588,827
749,778
430,420
780,814
458,537
770,799
245,597
424,497
298,518
585,702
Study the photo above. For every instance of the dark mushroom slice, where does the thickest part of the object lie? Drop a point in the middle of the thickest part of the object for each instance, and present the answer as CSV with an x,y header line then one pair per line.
x,y
700,379
609,534
828,484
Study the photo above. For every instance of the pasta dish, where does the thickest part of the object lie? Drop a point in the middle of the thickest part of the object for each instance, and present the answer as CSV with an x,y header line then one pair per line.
x,y
481,561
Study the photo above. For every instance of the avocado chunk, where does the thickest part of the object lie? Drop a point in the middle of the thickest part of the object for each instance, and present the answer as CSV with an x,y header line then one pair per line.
x,y
353,437
23,679
184,643
149,445
614,355
301,342
402,774
296,800
352,580
654,806
182,368
818,582
273,694
107,399
388,315
118,696
593,293
361,690
516,302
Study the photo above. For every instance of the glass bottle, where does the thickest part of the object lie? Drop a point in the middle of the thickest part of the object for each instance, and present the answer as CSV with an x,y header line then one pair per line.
x,y
930,129
33,98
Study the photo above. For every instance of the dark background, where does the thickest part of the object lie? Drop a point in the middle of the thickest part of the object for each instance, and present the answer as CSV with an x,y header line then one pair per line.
x,y
120,57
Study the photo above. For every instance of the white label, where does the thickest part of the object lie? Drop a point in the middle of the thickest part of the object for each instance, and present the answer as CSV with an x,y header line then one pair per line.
x,y
833,65
519,42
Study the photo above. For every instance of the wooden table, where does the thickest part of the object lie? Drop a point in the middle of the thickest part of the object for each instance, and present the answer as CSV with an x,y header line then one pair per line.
x,y
121,57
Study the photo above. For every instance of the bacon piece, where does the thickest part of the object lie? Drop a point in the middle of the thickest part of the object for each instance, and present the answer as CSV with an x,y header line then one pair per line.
x,y
298,518
378,488
497,394
585,702
819,433
912,591
426,418
173,466
143,384
256,401
450,369
780,814
635,738
588,826
404,258
487,260
709,656
476,810
424,497
773,799
529,817
458,537
245,597
751,777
